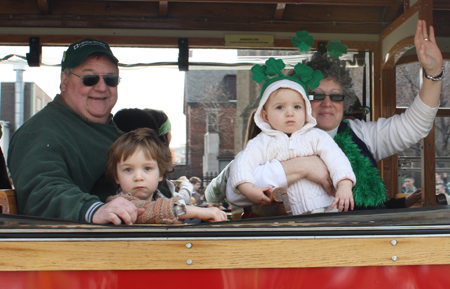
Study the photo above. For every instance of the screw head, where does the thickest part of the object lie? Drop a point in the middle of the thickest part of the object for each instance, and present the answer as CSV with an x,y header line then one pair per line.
x,y
394,242
394,258
189,262
188,245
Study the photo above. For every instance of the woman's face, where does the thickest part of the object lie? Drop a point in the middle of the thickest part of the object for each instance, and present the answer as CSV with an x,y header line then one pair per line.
x,y
328,113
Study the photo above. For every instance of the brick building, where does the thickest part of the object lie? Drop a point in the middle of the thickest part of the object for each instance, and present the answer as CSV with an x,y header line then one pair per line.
x,y
210,109
34,100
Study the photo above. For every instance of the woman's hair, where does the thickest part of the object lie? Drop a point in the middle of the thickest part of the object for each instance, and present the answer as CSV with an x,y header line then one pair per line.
x,y
134,118
335,69
252,129
142,138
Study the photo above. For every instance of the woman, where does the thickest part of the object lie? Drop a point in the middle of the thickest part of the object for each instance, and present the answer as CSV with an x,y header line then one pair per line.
x,y
376,140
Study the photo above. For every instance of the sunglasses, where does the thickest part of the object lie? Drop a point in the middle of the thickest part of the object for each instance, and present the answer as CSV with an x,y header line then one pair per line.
x,y
92,79
337,97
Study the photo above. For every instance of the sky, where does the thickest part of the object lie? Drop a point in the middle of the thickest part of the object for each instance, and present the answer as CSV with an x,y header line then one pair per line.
x,y
157,88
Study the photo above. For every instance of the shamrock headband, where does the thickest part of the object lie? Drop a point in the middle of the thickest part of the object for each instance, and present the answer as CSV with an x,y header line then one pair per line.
x,y
164,128
271,72
304,75
303,41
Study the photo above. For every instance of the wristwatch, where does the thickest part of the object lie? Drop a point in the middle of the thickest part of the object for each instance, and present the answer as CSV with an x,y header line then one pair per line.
x,y
438,77
180,207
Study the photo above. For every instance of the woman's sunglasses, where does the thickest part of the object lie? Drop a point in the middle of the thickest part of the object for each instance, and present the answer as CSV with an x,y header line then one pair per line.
x,y
92,79
321,96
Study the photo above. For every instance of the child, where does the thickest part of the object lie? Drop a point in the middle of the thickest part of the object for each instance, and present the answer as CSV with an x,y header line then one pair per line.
x,y
138,161
284,116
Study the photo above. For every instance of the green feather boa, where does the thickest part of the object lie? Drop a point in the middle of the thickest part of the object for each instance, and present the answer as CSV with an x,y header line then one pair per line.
x,y
369,190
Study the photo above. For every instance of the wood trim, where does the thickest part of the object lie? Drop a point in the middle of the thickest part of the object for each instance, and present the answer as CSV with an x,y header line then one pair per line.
x,y
426,11
392,11
144,41
295,2
43,6
279,12
388,96
251,253
396,52
397,22
163,8
428,168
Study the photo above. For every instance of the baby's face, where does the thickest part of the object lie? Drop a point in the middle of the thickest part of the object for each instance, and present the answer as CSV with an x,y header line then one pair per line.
x,y
138,175
285,111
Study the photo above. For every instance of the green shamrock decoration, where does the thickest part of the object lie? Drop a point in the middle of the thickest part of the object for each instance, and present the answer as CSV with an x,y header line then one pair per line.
x,y
336,48
304,75
303,41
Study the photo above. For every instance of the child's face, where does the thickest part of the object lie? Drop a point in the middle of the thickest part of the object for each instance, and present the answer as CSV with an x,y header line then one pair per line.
x,y
285,111
196,186
138,175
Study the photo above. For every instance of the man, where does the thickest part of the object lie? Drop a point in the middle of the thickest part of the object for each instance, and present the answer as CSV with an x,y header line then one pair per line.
x,y
408,184
57,158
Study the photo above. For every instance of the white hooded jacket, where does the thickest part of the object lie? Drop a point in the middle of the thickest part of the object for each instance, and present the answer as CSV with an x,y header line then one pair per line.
x,y
304,195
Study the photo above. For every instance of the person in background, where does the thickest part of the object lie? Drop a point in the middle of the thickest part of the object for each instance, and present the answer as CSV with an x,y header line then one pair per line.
x,y
408,184
196,182
57,158
137,162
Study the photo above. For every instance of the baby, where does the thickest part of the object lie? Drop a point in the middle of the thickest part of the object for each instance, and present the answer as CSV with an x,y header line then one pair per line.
x,y
137,162
287,125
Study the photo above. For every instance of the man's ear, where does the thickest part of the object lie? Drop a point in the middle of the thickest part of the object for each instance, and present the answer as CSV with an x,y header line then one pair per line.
x,y
264,116
64,81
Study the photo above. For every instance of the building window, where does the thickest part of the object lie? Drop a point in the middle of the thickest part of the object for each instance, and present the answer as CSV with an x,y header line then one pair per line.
x,y
212,121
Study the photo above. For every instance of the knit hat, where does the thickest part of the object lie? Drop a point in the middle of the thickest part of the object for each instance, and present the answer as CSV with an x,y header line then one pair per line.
x,y
79,51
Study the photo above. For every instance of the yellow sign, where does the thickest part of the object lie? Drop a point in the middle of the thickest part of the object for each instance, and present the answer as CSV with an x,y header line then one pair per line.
x,y
249,40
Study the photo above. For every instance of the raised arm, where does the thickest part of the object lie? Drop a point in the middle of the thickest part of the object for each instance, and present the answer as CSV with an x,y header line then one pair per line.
x,y
430,57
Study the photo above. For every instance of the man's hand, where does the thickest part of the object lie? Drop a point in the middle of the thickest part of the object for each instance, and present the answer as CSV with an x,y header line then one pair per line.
x,y
115,211
312,168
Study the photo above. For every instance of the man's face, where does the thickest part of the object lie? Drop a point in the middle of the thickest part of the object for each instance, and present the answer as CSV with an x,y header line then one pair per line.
x,y
93,102
328,113
409,183
440,189
196,186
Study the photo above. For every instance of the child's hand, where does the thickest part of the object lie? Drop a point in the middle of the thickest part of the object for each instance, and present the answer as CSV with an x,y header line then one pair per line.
x,y
206,214
212,215
344,196
255,194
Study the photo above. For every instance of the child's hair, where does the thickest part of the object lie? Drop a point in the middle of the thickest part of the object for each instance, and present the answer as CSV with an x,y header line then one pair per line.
x,y
252,129
142,138
195,180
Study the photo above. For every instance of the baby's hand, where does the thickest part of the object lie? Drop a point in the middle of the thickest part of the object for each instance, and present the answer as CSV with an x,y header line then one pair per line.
x,y
255,194
344,196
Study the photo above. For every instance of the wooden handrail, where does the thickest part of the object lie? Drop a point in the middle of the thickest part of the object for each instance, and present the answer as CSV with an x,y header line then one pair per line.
x,y
8,202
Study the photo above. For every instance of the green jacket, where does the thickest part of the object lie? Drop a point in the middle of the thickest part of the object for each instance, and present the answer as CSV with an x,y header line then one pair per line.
x,y
57,163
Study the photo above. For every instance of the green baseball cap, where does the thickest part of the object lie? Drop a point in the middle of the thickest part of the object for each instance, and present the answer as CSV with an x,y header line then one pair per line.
x,y
79,51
